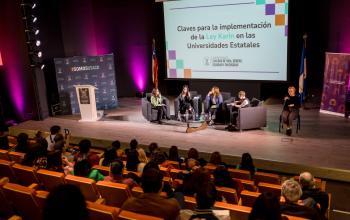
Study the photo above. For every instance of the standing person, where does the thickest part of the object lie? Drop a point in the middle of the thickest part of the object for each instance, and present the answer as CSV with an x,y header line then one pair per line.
x,y
214,100
185,101
158,103
242,102
290,109
54,130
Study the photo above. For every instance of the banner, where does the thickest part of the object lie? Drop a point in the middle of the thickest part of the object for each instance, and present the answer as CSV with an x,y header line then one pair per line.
x,y
97,71
335,83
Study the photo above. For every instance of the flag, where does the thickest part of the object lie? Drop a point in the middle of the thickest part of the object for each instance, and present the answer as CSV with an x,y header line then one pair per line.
x,y
154,65
303,72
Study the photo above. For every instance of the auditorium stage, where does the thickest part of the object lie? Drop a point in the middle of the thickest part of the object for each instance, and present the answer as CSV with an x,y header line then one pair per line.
x,y
322,145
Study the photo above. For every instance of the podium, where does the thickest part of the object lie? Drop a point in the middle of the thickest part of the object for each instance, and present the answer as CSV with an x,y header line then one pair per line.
x,y
87,103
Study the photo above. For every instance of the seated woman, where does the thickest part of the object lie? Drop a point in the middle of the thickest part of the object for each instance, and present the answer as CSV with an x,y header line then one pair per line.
x,y
83,168
157,103
214,100
186,102
290,109
242,102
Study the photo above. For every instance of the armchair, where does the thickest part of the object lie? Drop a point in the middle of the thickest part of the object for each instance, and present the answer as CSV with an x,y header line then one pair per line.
x,y
149,113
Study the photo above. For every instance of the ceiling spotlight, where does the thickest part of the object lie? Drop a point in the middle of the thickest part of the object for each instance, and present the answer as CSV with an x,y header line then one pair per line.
x,y
37,43
33,6
35,19
36,31
40,54
42,66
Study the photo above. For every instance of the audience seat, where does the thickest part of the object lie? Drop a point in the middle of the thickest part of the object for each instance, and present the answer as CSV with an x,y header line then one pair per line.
x,y
267,187
6,170
247,184
24,200
86,185
115,194
266,178
16,156
103,169
239,174
190,202
41,198
50,179
25,175
6,209
100,211
229,194
248,198
127,215
4,155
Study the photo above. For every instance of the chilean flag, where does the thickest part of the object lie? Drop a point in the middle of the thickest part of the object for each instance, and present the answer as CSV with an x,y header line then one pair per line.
x,y
154,65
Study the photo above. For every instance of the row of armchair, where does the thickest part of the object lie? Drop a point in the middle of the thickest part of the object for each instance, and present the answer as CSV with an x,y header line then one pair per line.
x,y
250,117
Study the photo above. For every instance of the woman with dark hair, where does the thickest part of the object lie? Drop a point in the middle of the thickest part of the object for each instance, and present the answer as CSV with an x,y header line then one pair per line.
x,y
215,158
22,143
84,153
174,154
65,202
185,101
83,168
222,178
132,156
110,155
193,181
120,152
116,174
193,153
266,207
36,156
247,164
158,103
152,148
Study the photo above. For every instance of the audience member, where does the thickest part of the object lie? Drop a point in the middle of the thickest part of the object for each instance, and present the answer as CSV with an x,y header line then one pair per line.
x,y
309,189
116,174
65,202
205,198
151,202
84,153
120,152
83,168
36,156
292,192
174,154
22,143
222,178
247,164
266,207
193,180
152,148
215,158
132,157
110,155
54,130
142,158
192,153
4,143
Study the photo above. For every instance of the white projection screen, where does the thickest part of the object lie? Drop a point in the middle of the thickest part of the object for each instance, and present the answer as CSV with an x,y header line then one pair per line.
x,y
226,39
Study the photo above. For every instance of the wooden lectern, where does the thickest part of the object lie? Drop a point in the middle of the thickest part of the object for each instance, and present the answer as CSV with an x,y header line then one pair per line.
x,y
87,103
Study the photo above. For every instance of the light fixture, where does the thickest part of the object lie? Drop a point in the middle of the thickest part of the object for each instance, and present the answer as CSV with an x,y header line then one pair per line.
x,y
34,19
36,32
33,6
42,66
37,43
40,54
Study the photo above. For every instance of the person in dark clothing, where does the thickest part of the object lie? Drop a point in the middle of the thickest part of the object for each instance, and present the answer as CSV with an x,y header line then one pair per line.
x,y
222,178
266,207
290,109
185,101
205,198
307,183
247,164
132,156
22,143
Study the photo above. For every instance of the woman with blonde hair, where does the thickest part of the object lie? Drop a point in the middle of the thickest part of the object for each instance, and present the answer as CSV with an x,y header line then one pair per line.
x,y
158,103
290,109
142,158
214,100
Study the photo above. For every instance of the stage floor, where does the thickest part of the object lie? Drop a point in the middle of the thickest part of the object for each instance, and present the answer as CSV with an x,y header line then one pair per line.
x,y
322,145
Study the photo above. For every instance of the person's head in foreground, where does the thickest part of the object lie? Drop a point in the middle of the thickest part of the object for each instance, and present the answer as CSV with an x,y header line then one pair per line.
x,y
266,207
291,191
65,202
152,181
206,196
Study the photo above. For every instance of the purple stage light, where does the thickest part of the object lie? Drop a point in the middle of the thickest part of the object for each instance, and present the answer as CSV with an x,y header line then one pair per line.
x,y
138,66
